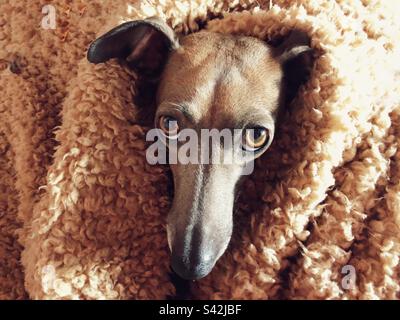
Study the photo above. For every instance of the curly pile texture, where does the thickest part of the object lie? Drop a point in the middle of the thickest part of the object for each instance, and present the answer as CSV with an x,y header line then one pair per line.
x,y
82,214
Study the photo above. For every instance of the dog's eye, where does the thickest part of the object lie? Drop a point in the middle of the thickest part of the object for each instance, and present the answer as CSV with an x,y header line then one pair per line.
x,y
255,138
169,126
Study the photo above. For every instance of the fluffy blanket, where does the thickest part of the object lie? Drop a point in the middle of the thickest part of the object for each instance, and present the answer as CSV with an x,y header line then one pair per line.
x,y
82,214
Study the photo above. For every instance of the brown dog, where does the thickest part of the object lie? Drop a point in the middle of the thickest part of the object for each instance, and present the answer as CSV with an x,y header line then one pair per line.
x,y
207,80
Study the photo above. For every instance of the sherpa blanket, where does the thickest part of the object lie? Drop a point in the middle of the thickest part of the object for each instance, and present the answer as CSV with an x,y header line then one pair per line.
x,y
82,214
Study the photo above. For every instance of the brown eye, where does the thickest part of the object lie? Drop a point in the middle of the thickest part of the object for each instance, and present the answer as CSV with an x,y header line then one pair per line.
x,y
255,138
169,126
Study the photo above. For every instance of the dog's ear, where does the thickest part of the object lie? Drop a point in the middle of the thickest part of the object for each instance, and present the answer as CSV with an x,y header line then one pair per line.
x,y
295,45
144,44
297,58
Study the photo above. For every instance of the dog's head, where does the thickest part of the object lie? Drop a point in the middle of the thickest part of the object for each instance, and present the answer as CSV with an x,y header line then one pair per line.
x,y
209,81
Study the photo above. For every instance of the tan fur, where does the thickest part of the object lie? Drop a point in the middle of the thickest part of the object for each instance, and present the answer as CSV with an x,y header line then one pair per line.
x,y
222,75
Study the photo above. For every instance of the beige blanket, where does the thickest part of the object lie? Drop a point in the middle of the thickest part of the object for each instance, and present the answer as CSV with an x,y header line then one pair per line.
x,y
82,213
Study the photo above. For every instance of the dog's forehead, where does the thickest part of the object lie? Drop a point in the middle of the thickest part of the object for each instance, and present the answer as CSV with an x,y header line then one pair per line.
x,y
215,73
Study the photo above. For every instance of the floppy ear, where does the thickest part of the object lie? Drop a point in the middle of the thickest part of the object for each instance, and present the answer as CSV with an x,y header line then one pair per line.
x,y
296,44
144,44
296,58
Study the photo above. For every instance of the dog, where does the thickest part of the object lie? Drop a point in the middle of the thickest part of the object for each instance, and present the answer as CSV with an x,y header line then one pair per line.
x,y
207,80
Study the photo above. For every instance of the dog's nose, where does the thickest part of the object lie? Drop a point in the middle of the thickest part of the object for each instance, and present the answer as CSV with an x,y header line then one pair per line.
x,y
193,259
191,270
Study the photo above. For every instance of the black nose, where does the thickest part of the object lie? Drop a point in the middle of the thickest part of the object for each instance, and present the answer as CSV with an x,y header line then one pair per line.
x,y
190,270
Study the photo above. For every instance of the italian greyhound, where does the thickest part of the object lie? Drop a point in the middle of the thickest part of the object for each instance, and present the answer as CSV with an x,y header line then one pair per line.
x,y
207,80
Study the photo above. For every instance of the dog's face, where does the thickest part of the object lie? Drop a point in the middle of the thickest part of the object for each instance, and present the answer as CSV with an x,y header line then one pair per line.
x,y
205,81
218,82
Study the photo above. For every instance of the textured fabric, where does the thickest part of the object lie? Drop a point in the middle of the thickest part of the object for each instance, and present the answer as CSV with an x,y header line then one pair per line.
x,y
82,214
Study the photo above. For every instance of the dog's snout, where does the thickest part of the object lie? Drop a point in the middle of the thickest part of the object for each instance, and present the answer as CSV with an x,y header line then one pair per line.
x,y
191,270
199,223
192,259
